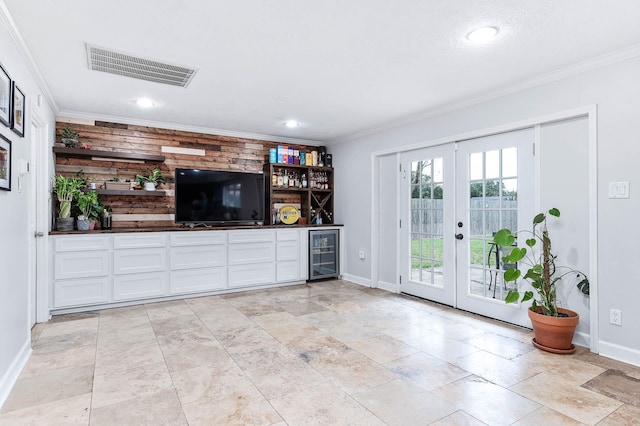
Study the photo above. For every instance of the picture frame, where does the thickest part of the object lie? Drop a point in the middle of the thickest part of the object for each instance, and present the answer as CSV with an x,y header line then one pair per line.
x,y
17,110
5,97
5,164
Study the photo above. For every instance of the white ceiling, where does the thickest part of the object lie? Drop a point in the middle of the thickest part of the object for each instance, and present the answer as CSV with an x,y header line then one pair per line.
x,y
341,67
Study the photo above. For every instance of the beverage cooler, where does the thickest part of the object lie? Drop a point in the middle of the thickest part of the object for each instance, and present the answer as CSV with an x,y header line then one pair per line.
x,y
324,254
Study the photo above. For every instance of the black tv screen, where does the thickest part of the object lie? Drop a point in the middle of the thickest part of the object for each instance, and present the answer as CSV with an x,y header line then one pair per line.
x,y
216,196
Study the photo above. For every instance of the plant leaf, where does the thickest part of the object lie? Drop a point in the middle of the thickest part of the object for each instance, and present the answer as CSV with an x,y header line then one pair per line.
x,y
511,274
531,242
534,306
512,297
517,254
532,274
528,295
554,212
504,238
583,286
538,218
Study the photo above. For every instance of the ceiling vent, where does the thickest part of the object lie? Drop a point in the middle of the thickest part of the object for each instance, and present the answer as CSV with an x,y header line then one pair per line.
x,y
105,60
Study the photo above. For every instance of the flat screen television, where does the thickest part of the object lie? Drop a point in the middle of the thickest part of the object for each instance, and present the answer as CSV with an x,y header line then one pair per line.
x,y
217,196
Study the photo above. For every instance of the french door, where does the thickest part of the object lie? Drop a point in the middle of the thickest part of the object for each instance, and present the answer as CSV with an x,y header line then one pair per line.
x,y
454,198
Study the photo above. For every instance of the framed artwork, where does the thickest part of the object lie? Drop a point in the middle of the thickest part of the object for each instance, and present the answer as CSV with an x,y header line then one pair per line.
x,y
5,163
5,97
17,114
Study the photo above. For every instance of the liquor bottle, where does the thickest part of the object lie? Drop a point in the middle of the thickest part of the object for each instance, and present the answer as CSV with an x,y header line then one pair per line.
x,y
280,179
274,178
285,179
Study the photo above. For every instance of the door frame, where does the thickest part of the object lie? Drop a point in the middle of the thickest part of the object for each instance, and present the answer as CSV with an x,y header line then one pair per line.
x,y
590,112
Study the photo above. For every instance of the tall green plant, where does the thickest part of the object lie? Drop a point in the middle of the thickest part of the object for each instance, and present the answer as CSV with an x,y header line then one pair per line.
x,y
543,274
86,202
66,190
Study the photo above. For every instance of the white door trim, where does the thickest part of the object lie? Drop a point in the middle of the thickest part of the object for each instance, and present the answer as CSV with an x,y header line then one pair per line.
x,y
589,111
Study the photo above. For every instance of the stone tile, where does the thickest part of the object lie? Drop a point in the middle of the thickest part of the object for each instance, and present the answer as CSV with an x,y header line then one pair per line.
x,y
209,381
321,404
130,384
567,398
36,330
158,409
442,347
609,364
177,323
40,364
504,347
62,342
459,418
301,307
486,401
383,348
55,386
547,416
261,308
400,402
109,361
69,411
124,312
369,421
114,337
617,385
567,367
347,331
280,378
625,415
191,348
495,369
73,317
426,371
166,310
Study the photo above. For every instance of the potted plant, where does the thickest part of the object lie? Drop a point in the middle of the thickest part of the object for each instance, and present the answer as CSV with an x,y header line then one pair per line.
x,y
69,137
553,326
115,184
86,201
95,213
150,182
66,190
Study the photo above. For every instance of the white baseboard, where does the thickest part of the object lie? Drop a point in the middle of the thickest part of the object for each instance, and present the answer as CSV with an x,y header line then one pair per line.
x,y
392,287
13,372
357,280
582,339
619,353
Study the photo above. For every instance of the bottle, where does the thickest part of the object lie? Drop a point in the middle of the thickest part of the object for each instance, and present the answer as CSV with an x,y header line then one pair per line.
x,y
314,158
274,178
292,180
277,221
285,179
304,180
280,179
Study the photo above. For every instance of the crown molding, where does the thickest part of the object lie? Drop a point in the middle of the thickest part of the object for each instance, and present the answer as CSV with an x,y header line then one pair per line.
x,y
6,17
87,118
562,73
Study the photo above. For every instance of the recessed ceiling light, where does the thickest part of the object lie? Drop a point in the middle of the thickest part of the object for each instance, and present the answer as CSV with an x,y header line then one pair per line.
x,y
291,124
481,35
145,103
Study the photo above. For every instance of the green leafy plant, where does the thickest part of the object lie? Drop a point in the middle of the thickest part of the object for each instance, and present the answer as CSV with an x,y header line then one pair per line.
x,y
543,274
87,201
67,133
66,190
154,177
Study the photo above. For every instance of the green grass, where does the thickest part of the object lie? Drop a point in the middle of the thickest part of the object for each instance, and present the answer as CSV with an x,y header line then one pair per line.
x,y
478,257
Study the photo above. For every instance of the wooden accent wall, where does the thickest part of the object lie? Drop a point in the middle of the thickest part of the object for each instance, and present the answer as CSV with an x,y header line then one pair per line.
x,y
221,153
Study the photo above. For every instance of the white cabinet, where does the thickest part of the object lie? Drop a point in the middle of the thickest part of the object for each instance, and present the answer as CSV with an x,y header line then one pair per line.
x,y
139,286
84,291
198,262
252,274
198,280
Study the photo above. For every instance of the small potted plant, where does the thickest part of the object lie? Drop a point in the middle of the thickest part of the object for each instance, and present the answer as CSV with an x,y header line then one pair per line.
x,y
69,137
553,326
150,182
115,184
66,190
86,201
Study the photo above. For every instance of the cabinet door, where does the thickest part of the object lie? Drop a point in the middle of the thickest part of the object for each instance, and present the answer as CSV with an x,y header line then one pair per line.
x,y
287,250
81,243
251,236
81,264
138,286
198,257
287,271
241,254
139,260
204,279
139,240
252,274
197,238
83,291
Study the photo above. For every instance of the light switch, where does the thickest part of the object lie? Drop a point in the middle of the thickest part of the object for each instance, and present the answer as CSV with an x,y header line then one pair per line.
x,y
618,189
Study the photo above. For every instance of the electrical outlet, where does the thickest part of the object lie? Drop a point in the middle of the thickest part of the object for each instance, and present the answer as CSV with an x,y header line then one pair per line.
x,y
361,254
615,316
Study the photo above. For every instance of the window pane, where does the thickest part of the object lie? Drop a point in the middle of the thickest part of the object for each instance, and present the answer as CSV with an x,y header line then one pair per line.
x,y
475,166
492,170
510,162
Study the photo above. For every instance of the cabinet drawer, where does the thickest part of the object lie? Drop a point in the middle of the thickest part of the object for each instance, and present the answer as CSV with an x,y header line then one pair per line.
x,y
81,243
205,279
257,273
287,271
138,286
287,250
139,260
140,240
287,235
81,264
83,291
197,238
240,254
251,236
198,257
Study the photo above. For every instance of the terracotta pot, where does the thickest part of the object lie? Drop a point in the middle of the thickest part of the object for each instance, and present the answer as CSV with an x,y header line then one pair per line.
x,y
554,334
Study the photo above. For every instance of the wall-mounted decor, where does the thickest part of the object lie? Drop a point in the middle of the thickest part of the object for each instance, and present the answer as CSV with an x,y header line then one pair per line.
x,y
17,115
5,163
5,97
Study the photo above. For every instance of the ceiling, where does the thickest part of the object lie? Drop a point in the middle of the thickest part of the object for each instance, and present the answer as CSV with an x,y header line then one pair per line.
x,y
341,68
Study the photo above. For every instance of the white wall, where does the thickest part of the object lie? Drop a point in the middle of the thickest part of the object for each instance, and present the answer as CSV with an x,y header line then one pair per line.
x,y
14,226
615,90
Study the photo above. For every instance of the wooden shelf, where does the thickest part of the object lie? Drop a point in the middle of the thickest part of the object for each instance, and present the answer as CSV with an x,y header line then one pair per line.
x,y
79,152
298,166
129,192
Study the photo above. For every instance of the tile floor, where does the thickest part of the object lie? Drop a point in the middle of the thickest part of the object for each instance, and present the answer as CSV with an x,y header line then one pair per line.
x,y
329,353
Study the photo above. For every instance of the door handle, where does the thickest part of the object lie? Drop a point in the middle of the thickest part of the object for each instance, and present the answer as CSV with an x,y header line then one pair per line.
x,y
38,234
459,236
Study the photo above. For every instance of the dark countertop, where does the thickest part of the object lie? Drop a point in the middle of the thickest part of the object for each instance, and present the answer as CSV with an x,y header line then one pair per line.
x,y
187,228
